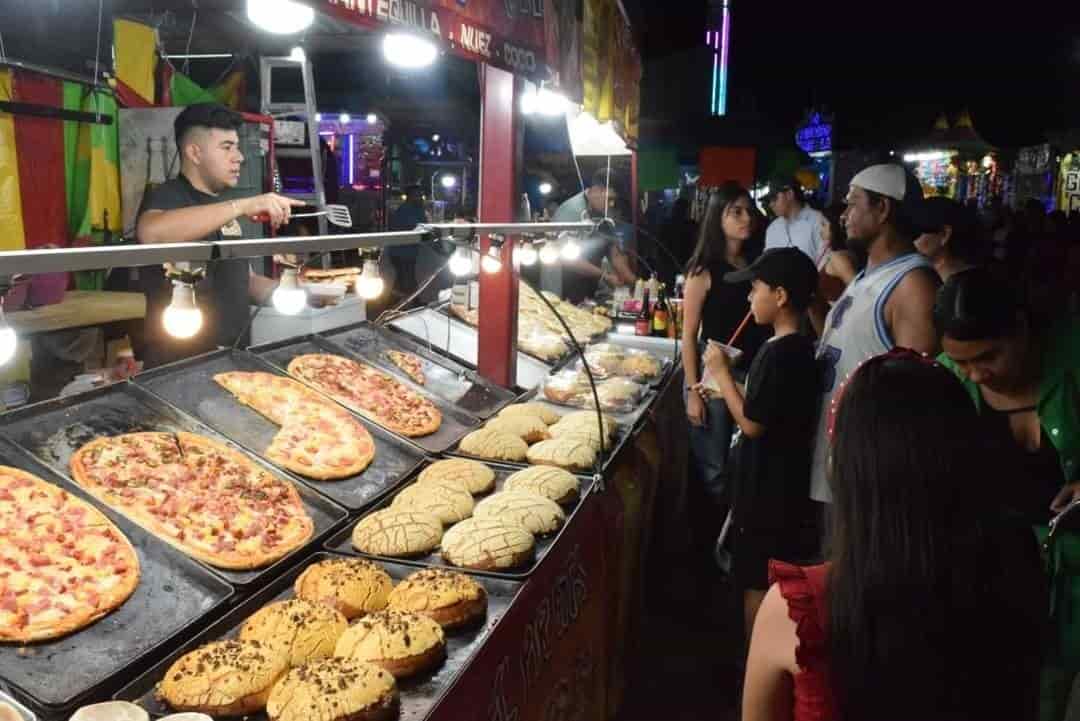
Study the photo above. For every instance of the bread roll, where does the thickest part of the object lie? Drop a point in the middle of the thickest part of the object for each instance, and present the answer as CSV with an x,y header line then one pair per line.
x,y
334,689
353,586
302,630
530,429
566,453
398,533
537,514
225,678
555,483
544,413
447,501
475,476
487,545
449,598
488,443
403,643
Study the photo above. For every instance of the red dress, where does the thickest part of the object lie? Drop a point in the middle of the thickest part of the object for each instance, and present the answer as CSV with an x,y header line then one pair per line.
x,y
803,587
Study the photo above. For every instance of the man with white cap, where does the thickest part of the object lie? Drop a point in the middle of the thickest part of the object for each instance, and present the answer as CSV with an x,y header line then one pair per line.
x,y
889,304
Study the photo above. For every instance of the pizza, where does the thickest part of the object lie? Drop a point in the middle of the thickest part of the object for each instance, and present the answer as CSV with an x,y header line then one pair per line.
x,y
369,392
63,564
318,439
409,363
203,497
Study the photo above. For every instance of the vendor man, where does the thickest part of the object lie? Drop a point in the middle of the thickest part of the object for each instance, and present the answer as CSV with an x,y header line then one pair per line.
x,y
199,205
575,280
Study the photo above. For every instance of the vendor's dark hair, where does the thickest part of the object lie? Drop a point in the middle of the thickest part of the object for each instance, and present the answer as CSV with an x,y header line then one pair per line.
x,y
711,245
976,305
204,115
603,178
922,562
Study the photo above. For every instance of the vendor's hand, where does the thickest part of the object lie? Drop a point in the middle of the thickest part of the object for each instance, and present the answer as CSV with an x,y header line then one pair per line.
x,y
695,409
269,207
716,360
1068,493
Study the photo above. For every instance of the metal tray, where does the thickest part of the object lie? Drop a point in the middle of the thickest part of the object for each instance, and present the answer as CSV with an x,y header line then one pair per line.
x,y
189,385
455,422
53,430
341,542
444,377
444,310
419,694
174,594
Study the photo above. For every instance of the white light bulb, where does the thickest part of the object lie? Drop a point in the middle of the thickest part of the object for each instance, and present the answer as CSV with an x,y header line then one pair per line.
x,y
297,54
526,254
545,188
182,318
461,262
372,118
289,298
8,342
551,103
370,286
409,51
448,181
435,138
549,254
570,250
529,102
280,17
318,117
344,118
491,262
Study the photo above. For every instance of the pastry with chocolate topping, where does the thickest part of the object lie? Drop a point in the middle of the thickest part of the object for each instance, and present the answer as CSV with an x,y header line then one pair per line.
x,y
403,643
353,586
225,678
334,689
451,599
304,631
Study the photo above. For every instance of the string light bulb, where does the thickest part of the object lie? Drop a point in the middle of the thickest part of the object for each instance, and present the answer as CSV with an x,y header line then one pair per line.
x,y
526,254
491,262
461,262
182,318
289,298
370,285
570,249
549,254
8,341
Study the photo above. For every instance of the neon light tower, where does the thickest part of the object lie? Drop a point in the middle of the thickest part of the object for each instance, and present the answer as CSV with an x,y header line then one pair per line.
x,y
719,41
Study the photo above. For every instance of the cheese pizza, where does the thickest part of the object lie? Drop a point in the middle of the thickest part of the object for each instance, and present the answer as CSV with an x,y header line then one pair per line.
x,y
409,364
207,499
370,392
63,564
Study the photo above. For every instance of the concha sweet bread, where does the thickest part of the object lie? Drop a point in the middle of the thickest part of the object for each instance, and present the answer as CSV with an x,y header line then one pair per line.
x,y
334,689
554,483
302,630
449,598
563,453
449,502
398,533
225,678
544,413
351,585
537,514
485,544
476,477
530,429
403,643
488,443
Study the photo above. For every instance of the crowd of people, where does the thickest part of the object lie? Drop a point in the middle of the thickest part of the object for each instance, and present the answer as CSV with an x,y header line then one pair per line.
x,y
889,444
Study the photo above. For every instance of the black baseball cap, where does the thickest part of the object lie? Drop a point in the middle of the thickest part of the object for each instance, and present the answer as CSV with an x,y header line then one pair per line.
x,y
935,213
787,268
205,115
779,183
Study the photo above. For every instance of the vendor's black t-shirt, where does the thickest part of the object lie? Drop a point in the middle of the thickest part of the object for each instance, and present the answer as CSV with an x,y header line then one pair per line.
x,y
772,476
222,296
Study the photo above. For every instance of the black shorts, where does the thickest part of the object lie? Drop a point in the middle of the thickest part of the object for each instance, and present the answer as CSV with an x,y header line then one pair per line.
x,y
753,549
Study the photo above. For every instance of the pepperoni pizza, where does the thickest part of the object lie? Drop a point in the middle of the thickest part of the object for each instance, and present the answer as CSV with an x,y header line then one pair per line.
x,y
410,364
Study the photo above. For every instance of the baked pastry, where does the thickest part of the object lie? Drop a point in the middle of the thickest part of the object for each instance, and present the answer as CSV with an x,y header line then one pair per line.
x,y
334,689
398,533
224,678
584,423
544,413
554,483
403,643
563,453
537,514
499,446
302,630
449,598
528,428
353,586
448,501
639,365
486,544
476,477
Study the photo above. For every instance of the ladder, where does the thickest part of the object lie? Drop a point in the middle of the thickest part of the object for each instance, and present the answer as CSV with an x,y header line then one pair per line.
x,y
305,110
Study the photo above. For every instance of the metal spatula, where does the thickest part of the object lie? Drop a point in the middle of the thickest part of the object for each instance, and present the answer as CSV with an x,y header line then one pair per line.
x,y
338,215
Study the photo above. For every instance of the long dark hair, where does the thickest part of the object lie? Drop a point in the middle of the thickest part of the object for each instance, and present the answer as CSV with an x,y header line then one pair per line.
x,y
975,305
935,602
711,244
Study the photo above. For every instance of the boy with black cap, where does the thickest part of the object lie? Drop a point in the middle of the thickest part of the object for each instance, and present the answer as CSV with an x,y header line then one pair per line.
x,y
771,510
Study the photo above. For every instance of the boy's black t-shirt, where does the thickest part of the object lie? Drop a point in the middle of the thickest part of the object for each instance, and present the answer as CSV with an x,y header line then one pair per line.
x,y
772,476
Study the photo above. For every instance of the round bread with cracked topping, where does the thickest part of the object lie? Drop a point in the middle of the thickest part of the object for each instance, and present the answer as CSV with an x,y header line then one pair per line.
x,y
563,453
225,678
544,413
449,598
335,689
486,544
496,445
530,429
398,533
302,630
403,643
449,501
555,483
537,514
353,586
584,421
475,476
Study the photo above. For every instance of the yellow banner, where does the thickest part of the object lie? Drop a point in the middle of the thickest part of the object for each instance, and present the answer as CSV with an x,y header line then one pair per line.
x,y
11,223
136,56
611,68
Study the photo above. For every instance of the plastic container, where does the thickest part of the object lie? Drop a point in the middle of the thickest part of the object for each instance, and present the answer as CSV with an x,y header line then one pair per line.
x,y
571,388
733,353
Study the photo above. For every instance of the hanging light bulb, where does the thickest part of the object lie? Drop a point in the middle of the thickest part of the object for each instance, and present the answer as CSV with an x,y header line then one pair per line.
x,y
182,319
280,17
550,103
344,118
491,262
289,298
297,54
526,254
448,181
8,342
372,118
409,51
570,248
545,188
549,254
370,286
461,262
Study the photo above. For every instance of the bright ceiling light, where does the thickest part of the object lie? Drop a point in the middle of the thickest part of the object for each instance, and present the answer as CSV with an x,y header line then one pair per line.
x,y
297,54
289,298
549,254
545,188
344,118
182,318
461,262
570,250
448,181
436,138
551,103
318,117
371,285
492,261
529,102
8,342
280,17
372,118
409,51
526,254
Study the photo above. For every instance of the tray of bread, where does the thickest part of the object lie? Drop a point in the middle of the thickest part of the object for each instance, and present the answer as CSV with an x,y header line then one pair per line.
x,y
335,638
397,352
613,360
534,339
178,479
85,594
466,515
395,403
571,387
344,456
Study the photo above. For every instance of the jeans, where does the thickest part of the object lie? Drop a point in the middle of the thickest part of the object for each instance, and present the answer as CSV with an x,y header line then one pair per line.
x,y
709,448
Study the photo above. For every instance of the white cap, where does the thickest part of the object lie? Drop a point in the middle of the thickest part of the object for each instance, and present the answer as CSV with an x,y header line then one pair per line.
x,y
892,181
